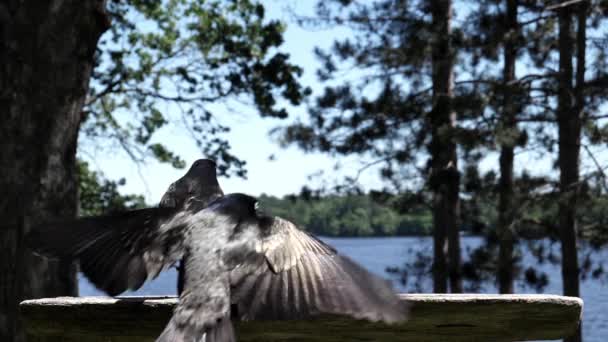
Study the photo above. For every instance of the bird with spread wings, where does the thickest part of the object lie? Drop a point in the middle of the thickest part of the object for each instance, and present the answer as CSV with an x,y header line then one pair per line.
x,y
239,263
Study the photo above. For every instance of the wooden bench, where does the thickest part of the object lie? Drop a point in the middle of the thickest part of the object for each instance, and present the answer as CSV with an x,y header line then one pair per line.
x,y
434,317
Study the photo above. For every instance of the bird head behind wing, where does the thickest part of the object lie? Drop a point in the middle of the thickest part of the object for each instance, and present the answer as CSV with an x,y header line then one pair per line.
x,y
240,207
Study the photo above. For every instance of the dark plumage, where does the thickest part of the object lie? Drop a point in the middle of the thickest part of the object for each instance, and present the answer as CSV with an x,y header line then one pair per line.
x,y
200,182
236,259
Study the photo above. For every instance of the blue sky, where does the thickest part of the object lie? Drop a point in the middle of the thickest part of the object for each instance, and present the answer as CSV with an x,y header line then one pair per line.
x,y
250,141
248,137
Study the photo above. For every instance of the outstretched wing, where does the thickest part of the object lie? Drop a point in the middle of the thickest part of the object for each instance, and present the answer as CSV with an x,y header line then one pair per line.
x,y
297,276
116,252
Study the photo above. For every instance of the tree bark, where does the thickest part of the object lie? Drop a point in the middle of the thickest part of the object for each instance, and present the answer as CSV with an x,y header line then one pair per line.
x,y
444,179
509,125
46,59
569,118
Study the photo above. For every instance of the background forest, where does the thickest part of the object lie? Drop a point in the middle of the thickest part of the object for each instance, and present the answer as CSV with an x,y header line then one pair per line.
x,y
442,98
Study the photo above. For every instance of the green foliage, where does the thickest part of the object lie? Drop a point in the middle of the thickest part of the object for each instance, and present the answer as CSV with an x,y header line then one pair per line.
x,y
98,196
383,109
535,226
178,61
349,215
377,111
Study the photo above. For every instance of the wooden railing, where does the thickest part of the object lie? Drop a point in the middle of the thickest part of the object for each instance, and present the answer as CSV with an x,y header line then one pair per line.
x,y
434,317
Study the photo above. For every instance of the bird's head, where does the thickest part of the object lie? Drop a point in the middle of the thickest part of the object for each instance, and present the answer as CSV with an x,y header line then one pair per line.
x,y
240,207
201,179
203,167
237,205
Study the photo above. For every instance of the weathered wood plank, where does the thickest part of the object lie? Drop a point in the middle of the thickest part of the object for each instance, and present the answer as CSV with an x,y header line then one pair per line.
x,y
435,317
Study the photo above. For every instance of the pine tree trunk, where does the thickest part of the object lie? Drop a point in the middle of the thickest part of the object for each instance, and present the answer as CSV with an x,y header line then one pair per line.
x,y
508,123
46,59
444,178
569,128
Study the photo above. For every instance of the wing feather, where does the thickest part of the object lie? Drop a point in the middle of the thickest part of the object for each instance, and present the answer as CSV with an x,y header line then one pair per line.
x,y
300,276
116,252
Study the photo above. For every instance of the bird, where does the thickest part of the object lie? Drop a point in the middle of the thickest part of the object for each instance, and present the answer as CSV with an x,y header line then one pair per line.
x,y
199,182
240,263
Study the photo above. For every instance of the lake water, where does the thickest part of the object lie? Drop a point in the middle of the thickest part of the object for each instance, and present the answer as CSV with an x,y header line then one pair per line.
x,y
378,253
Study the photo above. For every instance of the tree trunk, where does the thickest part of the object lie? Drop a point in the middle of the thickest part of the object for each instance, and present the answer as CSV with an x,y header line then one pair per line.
x,y
46,59
444,179
509,127
569,128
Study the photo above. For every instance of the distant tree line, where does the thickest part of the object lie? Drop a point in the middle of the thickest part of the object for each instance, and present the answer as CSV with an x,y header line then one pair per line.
x,y
381,214
349,215
333,215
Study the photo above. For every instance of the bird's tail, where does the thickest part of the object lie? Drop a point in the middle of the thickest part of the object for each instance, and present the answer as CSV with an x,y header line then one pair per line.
x,y
223,331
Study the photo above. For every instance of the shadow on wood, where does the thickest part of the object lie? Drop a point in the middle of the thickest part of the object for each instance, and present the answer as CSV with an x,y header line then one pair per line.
x,y
435,317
